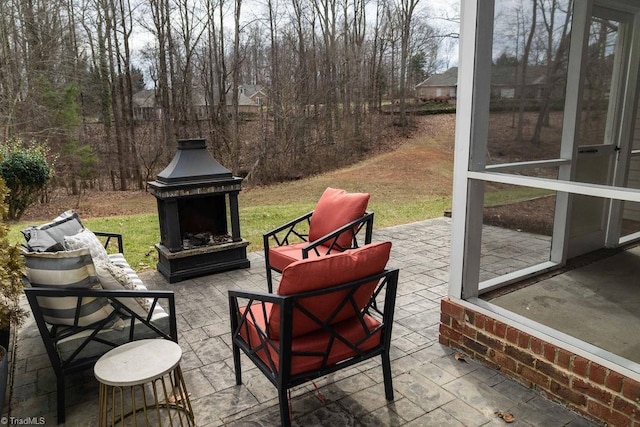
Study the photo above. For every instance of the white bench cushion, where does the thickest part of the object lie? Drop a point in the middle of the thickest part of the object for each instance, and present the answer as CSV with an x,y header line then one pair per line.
x,y
120,332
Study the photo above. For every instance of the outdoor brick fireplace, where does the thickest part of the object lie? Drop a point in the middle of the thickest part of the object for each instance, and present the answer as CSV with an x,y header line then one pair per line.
x,y
197,198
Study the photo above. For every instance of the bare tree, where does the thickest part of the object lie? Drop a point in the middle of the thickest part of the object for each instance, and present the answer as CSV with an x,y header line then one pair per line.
x,y
235,73
326,11
404,10
161,29
524,65
210,61
276,95
556,55
187,100
376,55
12,58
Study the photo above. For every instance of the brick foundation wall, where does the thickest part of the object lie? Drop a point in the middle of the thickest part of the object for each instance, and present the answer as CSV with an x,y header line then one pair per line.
x,y
582,385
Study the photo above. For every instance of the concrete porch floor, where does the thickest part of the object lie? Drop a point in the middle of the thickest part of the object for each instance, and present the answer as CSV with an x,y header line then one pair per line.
x,y
598,303
431,386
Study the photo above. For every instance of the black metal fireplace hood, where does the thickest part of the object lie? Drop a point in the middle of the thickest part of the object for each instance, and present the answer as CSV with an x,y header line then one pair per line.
x,y
193,163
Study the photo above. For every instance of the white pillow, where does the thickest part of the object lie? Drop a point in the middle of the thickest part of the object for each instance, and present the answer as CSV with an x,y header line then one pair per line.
x,y
86,239
115,278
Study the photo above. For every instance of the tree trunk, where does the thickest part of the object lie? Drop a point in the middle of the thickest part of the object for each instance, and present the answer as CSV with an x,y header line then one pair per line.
x,y
523,75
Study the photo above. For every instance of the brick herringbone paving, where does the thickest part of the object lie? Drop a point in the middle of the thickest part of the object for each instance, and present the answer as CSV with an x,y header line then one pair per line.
x,y
431,386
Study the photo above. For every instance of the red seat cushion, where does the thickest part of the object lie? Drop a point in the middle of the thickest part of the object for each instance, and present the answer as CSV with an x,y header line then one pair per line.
x,y
351,330
324,272
335,209
282,256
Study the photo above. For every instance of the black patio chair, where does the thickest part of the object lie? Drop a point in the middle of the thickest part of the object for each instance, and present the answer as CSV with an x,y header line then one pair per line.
x,y
329,313
333,226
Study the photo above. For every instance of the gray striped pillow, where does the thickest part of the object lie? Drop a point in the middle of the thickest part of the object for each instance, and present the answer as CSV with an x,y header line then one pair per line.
x,y
66,269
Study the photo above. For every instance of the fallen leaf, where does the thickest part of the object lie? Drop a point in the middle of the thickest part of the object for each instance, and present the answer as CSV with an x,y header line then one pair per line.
x,y
506,416
460,357
173,399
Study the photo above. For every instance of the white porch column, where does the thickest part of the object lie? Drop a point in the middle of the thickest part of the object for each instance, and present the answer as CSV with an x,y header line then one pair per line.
x,y
472,120
571,122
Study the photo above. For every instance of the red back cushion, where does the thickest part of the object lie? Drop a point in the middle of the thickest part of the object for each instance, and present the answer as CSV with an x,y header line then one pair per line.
x,y
335,209
324,272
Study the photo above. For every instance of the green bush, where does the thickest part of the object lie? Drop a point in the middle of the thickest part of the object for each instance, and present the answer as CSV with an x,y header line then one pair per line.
x,y
26,172
11,265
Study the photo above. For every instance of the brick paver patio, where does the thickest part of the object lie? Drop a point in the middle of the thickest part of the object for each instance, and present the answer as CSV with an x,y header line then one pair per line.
x,y
431,386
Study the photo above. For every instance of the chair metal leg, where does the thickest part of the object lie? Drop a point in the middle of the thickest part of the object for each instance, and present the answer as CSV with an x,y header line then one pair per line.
x,y
236,364
386,373
61,397
285,419
269,280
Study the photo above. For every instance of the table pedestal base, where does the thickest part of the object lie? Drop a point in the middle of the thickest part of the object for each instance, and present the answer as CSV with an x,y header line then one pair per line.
x,y
159,402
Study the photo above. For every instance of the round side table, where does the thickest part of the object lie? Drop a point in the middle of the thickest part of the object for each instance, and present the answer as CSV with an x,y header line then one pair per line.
x,y
143,379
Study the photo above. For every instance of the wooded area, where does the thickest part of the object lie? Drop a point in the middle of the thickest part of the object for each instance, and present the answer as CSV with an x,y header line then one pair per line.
x,y
71,69
70,72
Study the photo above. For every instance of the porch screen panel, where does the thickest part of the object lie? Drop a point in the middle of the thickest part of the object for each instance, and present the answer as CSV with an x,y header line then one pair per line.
x,y
596,105
517,228
528,81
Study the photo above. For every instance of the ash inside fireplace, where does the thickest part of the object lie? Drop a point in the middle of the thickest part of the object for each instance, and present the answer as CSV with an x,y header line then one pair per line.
x,y
195,240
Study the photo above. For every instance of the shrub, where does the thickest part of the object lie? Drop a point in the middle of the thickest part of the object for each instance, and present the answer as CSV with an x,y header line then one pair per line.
x,y
26,172
11,265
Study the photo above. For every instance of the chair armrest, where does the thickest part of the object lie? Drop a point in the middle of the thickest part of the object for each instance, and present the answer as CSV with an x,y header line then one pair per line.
x,y
255,296
110,236
52,334
291,231
354,227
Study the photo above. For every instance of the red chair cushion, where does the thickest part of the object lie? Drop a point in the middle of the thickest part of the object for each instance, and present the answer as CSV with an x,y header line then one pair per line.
x,y
282,256
335,209
324,272
316,342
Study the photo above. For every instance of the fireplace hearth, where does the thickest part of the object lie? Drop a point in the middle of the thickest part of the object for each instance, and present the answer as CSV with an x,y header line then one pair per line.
x,y
197,197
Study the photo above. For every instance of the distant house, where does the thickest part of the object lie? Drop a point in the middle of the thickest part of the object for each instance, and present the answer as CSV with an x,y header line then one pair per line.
x,y
245,104
506,78
256,93
439,86
146,105
504,81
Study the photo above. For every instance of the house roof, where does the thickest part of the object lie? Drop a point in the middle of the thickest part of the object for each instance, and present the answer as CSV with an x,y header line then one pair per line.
x,y
243,99
448,78
500,76
250,90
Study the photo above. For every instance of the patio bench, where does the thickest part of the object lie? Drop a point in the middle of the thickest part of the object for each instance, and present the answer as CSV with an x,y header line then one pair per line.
x,y
86,301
